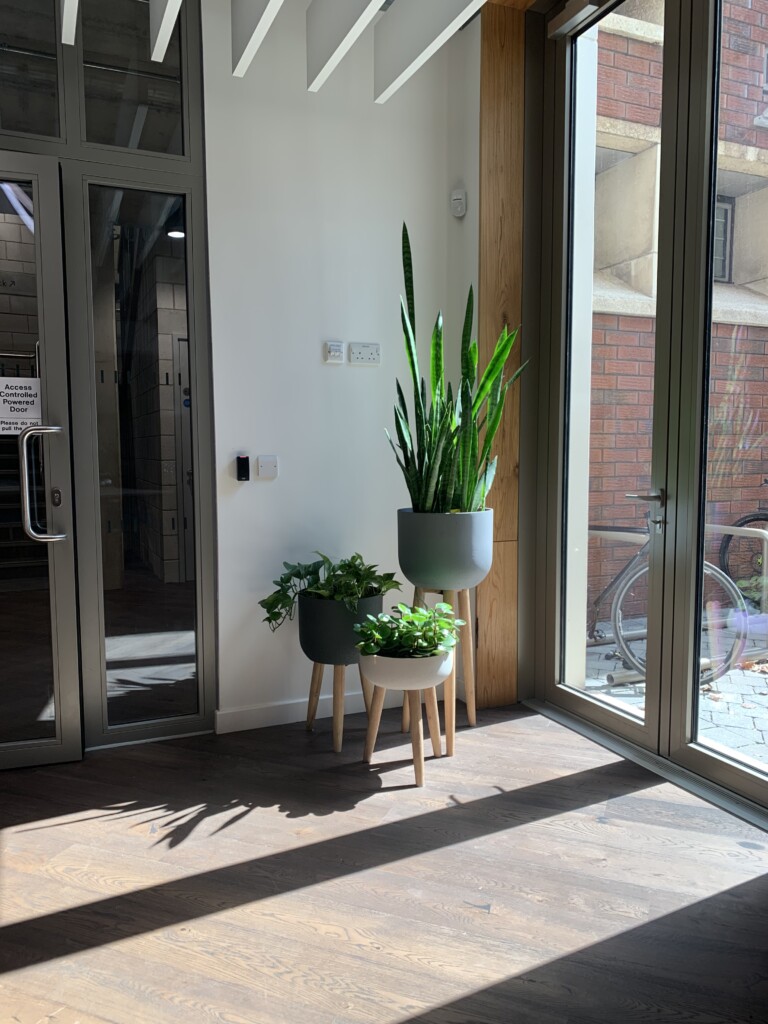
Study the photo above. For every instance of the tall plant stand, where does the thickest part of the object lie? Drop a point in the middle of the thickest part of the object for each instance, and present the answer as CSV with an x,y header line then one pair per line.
x,y
339,677
460,602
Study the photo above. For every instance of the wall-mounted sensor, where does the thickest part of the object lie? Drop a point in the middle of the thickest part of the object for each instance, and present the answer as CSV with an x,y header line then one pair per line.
x,y
243,468
459,202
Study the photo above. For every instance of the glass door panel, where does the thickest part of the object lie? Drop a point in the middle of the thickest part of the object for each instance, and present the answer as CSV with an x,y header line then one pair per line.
x,y
611,514
143,405
39,685
729,706
29,76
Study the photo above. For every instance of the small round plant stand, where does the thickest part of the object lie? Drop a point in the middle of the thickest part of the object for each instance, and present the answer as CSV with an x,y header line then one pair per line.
x,y
339,678
413,676
460,602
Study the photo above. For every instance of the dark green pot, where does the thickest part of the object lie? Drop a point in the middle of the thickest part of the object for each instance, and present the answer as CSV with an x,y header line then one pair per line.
x,y
325,628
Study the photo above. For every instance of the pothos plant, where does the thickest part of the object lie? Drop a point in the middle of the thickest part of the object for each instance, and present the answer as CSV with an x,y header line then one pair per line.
x,y
409,632
348,580
445,456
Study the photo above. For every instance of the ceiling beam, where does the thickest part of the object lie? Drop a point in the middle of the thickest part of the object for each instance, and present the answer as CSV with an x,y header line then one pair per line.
x,y
68,21
162,19
251,20
333,28
409,34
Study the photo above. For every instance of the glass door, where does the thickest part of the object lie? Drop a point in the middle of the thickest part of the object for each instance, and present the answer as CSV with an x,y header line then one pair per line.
x,y
39,682
721,725
617,372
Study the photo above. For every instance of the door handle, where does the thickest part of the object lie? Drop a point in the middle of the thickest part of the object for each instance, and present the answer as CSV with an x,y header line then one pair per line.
x,y
657,496
26,485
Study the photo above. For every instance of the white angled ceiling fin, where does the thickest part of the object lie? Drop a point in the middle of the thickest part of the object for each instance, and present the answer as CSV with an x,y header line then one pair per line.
x,y
162,20
333,28
251,20
409,34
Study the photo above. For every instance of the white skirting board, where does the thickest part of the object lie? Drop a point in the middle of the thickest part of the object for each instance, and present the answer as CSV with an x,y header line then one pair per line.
x,y
286,712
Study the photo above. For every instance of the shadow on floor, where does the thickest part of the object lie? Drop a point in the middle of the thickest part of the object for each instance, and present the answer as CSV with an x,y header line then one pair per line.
x,y
104,921
610,981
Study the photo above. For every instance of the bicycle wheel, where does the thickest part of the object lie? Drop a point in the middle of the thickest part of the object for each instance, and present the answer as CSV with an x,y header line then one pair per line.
x,y
724,623
743,558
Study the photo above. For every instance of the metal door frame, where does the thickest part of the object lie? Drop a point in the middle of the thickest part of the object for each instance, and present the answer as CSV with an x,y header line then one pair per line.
x,y
67,745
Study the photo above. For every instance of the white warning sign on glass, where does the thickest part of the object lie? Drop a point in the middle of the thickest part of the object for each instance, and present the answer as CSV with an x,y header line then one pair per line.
x,y
19,404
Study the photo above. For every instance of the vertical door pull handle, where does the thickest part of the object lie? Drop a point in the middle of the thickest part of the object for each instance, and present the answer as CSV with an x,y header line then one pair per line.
x,y
26,484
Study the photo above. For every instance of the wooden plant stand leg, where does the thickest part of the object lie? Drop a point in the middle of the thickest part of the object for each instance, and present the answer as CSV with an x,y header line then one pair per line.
x,y
314,694
374,719
449,692
367,687
468,655
417,736
339,673
418,602
433,720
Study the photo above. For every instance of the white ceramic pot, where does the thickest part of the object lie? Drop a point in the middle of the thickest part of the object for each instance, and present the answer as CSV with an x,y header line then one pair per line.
x,y
406,673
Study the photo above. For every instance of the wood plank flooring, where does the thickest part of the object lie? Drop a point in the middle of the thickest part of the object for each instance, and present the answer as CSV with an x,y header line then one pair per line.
x,y
258,878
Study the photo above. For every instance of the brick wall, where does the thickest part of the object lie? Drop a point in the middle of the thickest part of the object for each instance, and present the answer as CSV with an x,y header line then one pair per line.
x,y
630,72
621,425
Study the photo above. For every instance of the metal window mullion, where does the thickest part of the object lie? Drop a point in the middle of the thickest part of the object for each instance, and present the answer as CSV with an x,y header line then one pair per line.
x,y
694,306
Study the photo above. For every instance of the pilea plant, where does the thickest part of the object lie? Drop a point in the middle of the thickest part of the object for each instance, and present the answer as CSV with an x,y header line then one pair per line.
x,y
446,456
347,580
409,632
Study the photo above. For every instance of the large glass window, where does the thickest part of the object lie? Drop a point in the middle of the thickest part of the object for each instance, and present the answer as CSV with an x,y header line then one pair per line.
x,y
130,100
143,402
29,92
612,332
730,707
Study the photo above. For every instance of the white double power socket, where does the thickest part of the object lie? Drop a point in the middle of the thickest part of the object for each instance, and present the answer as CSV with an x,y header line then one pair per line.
x,y
365,354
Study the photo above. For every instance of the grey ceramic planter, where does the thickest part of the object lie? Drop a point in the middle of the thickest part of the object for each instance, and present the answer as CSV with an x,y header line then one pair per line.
x,y
445,550
325,628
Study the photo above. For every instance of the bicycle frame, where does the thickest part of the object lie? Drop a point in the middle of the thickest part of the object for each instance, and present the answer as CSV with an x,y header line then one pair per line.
x,y
624,535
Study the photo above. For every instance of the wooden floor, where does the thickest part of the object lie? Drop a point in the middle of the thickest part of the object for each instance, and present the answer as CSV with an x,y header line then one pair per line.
x,y
258,878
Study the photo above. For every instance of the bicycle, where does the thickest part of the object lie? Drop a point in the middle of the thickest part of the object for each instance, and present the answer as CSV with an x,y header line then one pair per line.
x,y
742,557
724,617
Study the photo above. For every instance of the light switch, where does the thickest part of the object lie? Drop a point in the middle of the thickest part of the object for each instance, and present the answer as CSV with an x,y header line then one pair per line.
x,y
266,467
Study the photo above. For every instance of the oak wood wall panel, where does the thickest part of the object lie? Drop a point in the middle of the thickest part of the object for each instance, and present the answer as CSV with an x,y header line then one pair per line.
x,y
502,120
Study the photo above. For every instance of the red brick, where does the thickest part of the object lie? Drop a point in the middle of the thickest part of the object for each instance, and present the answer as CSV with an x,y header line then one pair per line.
x,y
610,108
643,115
629,94
608,41
636,64
621,366
644,82
605,320
636,323
746,106
635,383
729,87
649,51
611,74
605,58
656,69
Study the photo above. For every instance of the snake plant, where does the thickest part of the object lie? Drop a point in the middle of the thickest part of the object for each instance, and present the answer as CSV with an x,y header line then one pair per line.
x,y
445,456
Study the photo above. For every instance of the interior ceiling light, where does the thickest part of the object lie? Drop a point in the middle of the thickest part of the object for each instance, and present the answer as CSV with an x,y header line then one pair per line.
x,y
174,226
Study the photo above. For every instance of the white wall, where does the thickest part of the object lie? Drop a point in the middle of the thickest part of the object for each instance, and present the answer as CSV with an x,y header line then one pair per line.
x,y
306,197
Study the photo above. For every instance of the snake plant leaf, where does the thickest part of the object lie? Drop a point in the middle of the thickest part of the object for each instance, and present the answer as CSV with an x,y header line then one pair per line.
x,y
495,411
401,403
483,486
442,436
437,365
467,430
408,276
495,366
410,344
467,371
